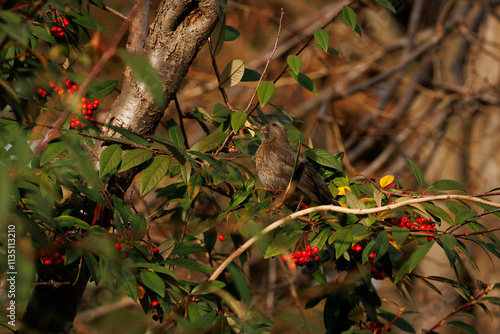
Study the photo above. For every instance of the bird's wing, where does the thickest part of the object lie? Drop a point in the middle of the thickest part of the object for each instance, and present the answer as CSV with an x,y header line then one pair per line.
x,y
284,168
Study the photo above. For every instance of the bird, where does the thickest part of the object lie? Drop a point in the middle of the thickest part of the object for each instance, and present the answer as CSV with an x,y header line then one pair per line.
x,y
276,161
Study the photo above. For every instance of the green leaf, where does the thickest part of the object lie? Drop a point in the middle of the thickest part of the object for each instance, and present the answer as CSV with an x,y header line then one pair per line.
x,y
185,248
304,81
437,211
156,267
100,89
175,134
241,283
381,245
465,327
109,160
323,157
209,143
153,282
129,135
220,110
189,264
323,38
465,215
295,63
238,119
343,240
232,74
71,255
93,266
449,242
413,260
52,151
42,33
147,74
493,300
65,221
135,158
265,92
387,4
137,227
319,275
207,287
400,235
230,34
126,280
349,18
250,75
442,185
418,174
153,173
321,238
218,35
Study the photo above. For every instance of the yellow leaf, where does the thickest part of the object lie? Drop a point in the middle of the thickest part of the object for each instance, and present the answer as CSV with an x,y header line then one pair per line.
x,y
343,189
249,128
141,290
386,180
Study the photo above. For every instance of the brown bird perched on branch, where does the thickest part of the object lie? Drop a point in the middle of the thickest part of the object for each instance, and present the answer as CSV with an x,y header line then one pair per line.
x,y
275,161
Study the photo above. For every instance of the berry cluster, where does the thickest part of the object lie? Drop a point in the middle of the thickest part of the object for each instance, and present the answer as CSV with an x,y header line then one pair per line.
x,y
86,108
60,24
53,254
301,258
41,92
358,248
421,224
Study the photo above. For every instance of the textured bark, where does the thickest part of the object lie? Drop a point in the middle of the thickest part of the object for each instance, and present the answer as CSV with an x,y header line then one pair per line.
x,y
178,32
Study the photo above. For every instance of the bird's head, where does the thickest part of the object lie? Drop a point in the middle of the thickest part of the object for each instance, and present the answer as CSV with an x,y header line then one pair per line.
x,y
272,131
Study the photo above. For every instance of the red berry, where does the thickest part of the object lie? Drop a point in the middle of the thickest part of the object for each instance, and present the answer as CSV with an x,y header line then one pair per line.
x,y
58,20
316,258
295,260
53,29
74,87
156,317
118,246
95,105
63,257
292,255
155,250
292,266
67,83
284,258
59,29
316,250
84,100
222,237
154,303
307,259
372,255
47,262
308,248
96,102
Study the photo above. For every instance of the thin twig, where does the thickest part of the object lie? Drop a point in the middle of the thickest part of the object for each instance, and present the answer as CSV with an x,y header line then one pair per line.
x,y
217,74
115,12
339,209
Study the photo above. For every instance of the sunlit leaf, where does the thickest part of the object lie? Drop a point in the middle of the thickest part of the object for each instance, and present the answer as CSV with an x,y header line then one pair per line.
x,y
265,92
349,17
323,38
418,174
238,119
295,63
387,4
153,282
109,160
135,158
304,81
232,74
153,173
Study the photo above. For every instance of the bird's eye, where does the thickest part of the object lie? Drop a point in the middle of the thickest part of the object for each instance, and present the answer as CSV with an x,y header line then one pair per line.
x,y
268,129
